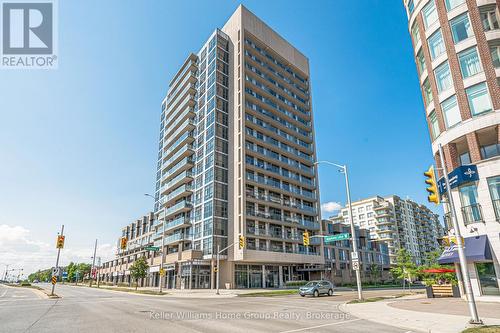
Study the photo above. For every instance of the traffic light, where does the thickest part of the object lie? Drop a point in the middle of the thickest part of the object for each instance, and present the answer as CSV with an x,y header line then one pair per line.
x,y
123,243
305,238
432,189
242,241
60,242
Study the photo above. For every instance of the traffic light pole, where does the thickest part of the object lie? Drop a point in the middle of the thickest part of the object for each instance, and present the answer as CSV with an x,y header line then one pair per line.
x,y
460,247
218,261
57,261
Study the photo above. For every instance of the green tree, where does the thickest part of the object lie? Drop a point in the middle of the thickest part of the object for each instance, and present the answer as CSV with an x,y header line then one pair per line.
x,y
405,267
430,262
375,272
139,270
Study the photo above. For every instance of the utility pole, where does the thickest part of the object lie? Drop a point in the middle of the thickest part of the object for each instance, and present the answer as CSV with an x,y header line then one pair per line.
x,y
6,270
93,265
57,260
469,295
355,252
98,266
217,278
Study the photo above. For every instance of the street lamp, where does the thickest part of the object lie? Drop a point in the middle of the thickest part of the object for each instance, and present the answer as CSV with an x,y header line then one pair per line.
x,y
162,242
355,252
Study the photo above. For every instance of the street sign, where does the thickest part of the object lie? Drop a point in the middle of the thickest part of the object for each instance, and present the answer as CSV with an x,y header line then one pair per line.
x,y
355,265
56,271
54,280
462,174
152,248
354,255
64,275
162,272
337,237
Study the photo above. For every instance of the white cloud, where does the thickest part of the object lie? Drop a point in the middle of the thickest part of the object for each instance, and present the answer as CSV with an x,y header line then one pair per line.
x,y
330,207
19,249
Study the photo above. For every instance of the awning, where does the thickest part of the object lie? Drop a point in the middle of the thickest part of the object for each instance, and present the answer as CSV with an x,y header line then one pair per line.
x,y
438,270
477,248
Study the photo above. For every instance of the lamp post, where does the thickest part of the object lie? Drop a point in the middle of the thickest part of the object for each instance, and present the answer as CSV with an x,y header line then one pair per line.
x,y
355,252
162,242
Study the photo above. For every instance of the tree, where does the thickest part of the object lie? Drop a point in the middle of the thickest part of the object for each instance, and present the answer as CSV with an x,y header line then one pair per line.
x,y
139,270
375,272
431,262
405,268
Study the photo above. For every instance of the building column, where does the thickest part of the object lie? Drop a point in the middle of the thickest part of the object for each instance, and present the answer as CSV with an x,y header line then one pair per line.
x,y
450,156
474,147
280,274
263,276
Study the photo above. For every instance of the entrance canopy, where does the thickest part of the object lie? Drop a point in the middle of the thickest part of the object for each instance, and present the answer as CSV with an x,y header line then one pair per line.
x,y
477,248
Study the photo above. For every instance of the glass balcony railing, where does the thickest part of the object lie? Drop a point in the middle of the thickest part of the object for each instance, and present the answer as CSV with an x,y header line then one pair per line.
x,y
178,221
472,214
178,206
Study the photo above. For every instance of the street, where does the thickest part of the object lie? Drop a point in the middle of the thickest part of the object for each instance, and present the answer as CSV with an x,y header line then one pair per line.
x,y
82,309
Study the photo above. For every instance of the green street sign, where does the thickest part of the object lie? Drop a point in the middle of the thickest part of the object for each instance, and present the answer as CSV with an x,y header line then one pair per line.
x,y
152,248
337,237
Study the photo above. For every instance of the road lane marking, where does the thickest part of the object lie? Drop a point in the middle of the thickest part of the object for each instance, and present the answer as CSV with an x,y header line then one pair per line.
x,y
5,292
319,326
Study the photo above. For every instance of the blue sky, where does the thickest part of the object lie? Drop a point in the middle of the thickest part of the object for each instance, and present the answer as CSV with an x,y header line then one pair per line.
x,y
79,144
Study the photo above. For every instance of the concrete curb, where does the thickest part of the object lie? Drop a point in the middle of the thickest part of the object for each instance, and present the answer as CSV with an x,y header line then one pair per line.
x,y
381,312
41,293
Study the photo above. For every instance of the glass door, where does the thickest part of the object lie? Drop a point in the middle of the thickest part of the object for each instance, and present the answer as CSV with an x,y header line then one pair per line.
x,y
487,278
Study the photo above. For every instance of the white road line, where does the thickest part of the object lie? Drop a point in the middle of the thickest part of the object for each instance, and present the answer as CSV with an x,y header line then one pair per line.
x,y
318,326
5,292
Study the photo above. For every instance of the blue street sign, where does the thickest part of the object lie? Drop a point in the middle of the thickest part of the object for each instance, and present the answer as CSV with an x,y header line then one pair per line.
x,y
64,274
461,175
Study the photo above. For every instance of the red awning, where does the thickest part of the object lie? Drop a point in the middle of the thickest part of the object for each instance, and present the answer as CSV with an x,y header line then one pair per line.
x,y
439,270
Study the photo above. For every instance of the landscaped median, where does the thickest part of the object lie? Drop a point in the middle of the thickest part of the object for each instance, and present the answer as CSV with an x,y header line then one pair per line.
x,y
125,289
483,329
379,298
30,286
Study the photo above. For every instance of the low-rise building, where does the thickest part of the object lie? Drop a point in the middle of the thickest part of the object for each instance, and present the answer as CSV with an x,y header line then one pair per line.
x,y
373,256
402,223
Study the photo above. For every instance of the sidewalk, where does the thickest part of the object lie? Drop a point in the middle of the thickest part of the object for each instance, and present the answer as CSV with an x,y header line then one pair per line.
x,y
417,313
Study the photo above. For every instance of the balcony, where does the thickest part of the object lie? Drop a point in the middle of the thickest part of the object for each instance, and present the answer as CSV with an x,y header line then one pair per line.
x,y
176,238
178,222
472,214
178,208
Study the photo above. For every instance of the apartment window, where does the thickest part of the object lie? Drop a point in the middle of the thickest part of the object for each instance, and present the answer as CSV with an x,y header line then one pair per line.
x,y
429,14
490,151
436,45
450,4
415,33
421,62
465,158
451,111
495,55
489,19
469,62
461,28
426,87
411,7
479,99
434,125
494,186
443,77
470,207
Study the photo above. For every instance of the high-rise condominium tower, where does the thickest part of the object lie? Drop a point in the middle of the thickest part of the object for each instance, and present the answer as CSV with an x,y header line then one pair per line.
x,y
236,157
457,52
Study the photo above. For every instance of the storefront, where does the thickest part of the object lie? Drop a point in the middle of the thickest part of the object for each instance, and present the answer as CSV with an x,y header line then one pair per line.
x,y
484,278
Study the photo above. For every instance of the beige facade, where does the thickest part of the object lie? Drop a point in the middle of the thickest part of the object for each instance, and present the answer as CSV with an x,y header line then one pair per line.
x,y
401,223
457,52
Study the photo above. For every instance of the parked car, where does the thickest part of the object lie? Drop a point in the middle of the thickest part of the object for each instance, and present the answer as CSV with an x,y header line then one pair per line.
x,y
316,288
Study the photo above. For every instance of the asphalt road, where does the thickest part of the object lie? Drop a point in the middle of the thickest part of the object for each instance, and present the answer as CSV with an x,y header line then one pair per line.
x,y
84,309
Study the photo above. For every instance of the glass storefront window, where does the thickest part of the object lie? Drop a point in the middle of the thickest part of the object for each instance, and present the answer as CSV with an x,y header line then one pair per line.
x,y
487,278
494,187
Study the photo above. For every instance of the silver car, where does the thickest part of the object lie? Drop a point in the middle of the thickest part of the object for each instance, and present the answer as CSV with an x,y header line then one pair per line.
x,y
316,288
